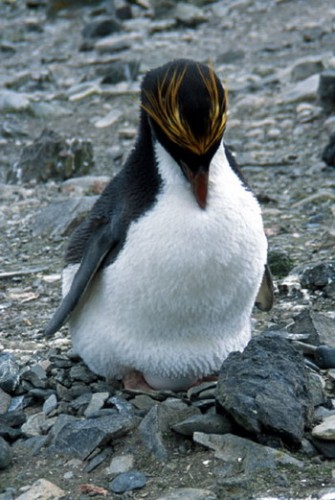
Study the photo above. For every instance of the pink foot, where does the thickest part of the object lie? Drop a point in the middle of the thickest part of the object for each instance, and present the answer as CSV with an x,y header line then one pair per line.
x,y
134,381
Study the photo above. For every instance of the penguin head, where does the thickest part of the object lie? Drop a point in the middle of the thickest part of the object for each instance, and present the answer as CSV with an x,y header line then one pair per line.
x,y
186,106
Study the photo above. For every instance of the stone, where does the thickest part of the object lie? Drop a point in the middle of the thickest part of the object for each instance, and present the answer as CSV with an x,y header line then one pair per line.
x,y
303,91
325,430
42,489
13,102
155,428
280,263
62,217
79,438
9,372
36,375
120,464
206,423
151,435
50,404
34,425
82,373
326,90
5,454
265,389
306,68
241,453
5,400
128,481
325,447
98,400
86,185
328,154
101,28
188,14
98,459
116,43
143,402
51,156
315,275
188,494
9,433
120,71
230,56
108,120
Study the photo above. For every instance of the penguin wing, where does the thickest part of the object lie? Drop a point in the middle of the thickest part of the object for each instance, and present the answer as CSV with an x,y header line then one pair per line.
x,y
264,299
102,242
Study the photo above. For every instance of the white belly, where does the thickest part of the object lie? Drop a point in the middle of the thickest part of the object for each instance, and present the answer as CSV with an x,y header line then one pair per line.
x,y
179,296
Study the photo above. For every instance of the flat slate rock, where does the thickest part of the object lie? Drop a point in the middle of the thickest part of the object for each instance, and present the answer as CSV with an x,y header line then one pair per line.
x,y
240,453
5,454
188,494
265,390
79,437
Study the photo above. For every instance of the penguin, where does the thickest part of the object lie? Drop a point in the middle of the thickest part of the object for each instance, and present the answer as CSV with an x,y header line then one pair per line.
x,y
160,280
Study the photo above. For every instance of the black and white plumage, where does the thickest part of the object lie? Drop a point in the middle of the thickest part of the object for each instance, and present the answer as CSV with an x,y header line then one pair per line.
x,y
162,276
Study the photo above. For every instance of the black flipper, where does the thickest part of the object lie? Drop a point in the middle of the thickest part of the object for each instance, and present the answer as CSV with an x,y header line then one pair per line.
x,y
101,243
264,299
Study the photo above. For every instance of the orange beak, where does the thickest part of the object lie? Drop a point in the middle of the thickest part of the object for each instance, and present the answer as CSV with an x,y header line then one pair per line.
x,y
199,184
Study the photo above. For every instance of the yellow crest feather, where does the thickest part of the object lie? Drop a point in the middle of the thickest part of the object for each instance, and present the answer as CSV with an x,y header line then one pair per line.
x,y
163,108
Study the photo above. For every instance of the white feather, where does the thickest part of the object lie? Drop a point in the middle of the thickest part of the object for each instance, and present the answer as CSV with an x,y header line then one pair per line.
x,y
178,298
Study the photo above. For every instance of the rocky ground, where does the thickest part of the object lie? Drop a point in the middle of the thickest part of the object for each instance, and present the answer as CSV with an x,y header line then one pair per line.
x,y
65,432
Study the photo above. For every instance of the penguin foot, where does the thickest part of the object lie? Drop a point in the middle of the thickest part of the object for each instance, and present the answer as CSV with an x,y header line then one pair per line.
x,y
208,378
134,381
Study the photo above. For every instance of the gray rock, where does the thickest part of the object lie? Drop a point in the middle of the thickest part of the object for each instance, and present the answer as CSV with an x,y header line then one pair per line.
x,y
240,453
34,425
305,90
5,400
304,69
325,430
265,389
207,423
5,454
50,404
325,447
115,43
101,28
97,401
231,56
128,481
328,154
80,438
88,184
9,372
8,432
326,90
188,494
61,218
82,373
315,275
52,157
13,102
280,263
42,489
155,428
36,375
120,71
120,464
151,434
188,14
97,460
